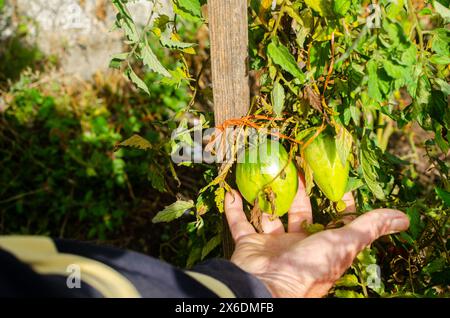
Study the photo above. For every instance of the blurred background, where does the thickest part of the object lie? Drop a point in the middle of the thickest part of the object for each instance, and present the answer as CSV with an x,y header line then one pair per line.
x,y
62,111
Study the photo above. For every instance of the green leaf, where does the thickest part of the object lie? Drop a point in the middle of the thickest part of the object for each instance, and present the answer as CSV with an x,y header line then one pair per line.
x,y
373,89
305,133
191,6
348,280
322,7
156,177
341,7
161,22
444,195
185,14
136,80
117,59
415,224
409,56
393,70
312,228
353,184
425,11
342,293
278,99
177,76
435,265
405,236
440,59
219,197
173,211
203,203
166,41
281,56
370,167
443,11
443,85
440,140
422,99
344,141
441,42
194,256
211,245
151,61
366,257
394,8
125,21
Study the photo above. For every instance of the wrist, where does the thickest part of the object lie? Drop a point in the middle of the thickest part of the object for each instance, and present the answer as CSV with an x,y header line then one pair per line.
x,y
281,287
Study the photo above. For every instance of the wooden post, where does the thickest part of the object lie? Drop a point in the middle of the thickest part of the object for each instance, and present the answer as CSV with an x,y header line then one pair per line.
x,y
228,32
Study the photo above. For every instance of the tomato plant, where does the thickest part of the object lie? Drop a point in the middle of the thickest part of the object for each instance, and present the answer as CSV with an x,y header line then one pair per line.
x,y
374,76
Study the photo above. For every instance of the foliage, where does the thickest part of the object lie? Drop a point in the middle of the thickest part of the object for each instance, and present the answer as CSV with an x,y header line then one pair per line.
x,y
93,161
60,173
333,63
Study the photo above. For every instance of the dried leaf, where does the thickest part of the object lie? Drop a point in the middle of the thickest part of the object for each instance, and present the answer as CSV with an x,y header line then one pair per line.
x,y
313,98
135,141
255,217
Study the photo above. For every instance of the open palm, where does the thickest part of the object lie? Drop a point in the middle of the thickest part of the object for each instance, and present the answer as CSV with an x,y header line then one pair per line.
x,y
295,264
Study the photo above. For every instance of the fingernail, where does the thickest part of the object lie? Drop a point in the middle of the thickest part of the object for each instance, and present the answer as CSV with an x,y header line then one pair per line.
x,y
399,224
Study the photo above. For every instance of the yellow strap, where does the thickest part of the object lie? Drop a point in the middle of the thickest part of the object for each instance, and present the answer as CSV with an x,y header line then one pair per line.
x,y
216,286
41,254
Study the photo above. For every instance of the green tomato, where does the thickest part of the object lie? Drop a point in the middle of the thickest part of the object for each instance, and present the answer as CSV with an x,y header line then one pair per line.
x,y
330,175
260,175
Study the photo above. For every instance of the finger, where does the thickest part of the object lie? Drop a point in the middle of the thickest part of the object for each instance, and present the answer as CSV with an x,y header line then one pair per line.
x,y
349,202
370,226
335,250
348,213
271,226
300,209
236,218
350,207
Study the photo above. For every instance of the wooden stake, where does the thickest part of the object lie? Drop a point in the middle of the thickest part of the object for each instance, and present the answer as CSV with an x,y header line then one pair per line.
x,y
228,31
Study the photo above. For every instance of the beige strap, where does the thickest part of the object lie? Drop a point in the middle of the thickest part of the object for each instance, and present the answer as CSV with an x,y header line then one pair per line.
x,y
216,286
41,254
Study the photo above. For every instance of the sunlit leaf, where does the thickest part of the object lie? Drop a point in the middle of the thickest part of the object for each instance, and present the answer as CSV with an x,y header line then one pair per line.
x,y
443,11
151,61
278,99
344,142
173,211
370,167
348,280
136,80
219,197
281,56
343,293
136,141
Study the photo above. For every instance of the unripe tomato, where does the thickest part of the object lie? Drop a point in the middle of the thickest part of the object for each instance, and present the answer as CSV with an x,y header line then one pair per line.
x,y
260,174
330,175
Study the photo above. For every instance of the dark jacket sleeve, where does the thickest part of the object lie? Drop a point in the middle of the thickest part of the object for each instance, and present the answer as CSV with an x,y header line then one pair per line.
x,y
149,276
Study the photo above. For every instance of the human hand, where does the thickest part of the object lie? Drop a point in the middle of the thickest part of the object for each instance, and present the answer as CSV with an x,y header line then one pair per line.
x,y
295,264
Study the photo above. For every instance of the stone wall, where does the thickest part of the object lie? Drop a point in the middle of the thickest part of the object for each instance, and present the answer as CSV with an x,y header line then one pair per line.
x,y
78,32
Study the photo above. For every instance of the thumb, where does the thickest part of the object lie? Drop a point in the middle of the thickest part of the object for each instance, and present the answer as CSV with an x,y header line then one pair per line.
x,y
372,225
